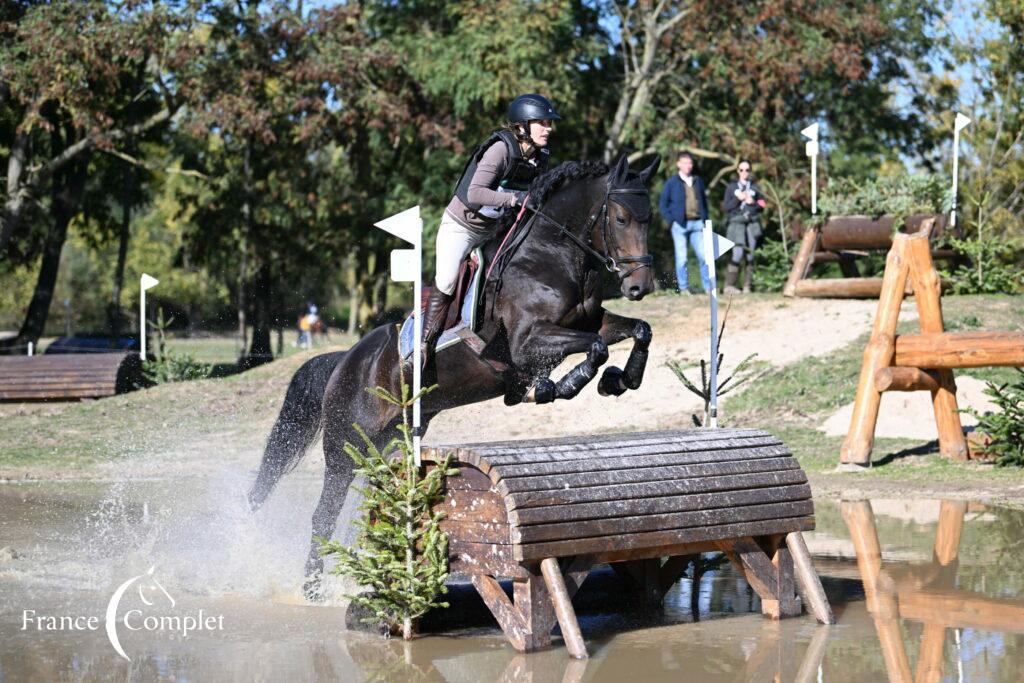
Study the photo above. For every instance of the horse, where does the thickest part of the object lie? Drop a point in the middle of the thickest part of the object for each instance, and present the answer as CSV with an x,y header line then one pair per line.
x,y
544,305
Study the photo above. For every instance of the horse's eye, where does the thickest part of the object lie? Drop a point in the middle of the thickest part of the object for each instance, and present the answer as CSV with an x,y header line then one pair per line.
x,y
620,220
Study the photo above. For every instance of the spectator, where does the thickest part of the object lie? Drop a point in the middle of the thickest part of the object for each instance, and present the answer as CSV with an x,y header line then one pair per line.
x,y
684,206
743,205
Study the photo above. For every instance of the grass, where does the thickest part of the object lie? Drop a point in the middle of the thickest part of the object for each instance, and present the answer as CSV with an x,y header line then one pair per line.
x,y
234,411
795,399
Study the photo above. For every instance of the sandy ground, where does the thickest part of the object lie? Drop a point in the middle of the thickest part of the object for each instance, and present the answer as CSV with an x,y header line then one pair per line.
x,y
779,332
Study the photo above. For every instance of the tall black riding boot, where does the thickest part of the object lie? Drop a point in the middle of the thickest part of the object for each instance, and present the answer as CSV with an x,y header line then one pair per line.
x,y
731,275
433,323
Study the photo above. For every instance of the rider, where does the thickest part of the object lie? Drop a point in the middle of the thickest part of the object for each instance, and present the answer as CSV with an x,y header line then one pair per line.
x,y
495,178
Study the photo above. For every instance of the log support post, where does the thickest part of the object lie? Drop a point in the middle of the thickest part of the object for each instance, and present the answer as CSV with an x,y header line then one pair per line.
x,y
802,262
807,581
768,568
879,353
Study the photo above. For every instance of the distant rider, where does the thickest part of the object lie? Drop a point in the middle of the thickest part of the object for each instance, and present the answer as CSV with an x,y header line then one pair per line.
x,y
495,178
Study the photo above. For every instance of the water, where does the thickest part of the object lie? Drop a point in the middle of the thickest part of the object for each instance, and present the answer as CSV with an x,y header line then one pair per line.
x,y
925,590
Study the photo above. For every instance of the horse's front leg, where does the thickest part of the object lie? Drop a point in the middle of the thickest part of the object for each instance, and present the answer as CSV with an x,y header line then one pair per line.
x,y
546,345
615,328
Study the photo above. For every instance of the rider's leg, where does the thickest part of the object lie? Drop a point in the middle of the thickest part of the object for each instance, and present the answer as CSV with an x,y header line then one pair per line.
x,y
454,242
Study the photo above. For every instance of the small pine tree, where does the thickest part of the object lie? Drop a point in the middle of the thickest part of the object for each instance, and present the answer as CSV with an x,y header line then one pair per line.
x,y
401,552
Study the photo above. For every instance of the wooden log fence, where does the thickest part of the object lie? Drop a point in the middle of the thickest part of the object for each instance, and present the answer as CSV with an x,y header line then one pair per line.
x,y
919,362
841,240
544,512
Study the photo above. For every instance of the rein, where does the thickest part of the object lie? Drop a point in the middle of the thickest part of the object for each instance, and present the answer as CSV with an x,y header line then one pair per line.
x,y
605,258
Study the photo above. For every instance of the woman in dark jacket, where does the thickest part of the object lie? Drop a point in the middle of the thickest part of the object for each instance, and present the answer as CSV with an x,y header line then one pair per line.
x,y
743,204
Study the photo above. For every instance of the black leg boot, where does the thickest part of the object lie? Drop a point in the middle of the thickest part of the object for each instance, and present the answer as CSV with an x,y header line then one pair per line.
x,y
433,323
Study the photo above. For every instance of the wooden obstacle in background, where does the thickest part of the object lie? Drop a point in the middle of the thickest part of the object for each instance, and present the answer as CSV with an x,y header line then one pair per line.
x,y
927,594
841,240
919,362
68,376
543,513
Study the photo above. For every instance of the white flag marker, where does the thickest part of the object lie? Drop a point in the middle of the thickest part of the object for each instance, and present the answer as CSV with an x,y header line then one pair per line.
x,y
714,245
407,266
811,148
959,124
146,282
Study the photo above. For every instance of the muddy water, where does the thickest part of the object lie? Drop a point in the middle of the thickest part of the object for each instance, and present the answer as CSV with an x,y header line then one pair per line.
x,y
921,589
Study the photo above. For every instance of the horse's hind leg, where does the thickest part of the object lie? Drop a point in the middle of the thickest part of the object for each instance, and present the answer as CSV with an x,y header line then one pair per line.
x,y
615,328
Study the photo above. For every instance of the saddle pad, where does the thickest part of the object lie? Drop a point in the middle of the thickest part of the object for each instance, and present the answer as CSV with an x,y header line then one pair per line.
x,y
467,315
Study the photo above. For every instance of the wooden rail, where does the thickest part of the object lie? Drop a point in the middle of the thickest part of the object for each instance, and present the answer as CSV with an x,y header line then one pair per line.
x,y
543,512
68,376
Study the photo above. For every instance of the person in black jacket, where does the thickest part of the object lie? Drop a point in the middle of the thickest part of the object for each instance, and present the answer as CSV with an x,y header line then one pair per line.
x,y
743,205
684,206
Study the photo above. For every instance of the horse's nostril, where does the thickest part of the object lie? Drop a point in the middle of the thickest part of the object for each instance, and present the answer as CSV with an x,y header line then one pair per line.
x,y
634,291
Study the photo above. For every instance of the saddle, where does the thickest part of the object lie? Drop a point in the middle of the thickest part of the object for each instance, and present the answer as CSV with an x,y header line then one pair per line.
x,y
462,321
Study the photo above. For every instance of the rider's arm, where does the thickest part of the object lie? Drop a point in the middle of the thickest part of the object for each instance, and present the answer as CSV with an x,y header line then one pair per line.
x,y
488,171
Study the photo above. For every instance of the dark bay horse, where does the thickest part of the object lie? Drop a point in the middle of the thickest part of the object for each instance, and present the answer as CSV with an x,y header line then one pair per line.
x,y
544,306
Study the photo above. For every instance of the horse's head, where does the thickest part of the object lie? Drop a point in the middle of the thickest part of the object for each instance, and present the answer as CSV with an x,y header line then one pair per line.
x,y
624,233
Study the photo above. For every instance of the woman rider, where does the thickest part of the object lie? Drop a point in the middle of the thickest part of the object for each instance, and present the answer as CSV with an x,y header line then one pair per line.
x,y
495,178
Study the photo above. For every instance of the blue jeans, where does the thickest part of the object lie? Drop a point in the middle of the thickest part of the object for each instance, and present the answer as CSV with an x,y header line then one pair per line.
x,y
692,233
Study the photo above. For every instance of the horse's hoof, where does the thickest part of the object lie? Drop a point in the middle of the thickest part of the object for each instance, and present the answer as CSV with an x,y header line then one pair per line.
x,y
611,383
543,390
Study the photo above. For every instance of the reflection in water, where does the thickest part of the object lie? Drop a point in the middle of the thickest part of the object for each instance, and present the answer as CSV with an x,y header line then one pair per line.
x,y
921,590
925,592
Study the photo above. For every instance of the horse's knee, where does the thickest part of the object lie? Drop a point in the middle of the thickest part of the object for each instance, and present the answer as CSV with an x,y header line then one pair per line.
x,y
642,334
598,353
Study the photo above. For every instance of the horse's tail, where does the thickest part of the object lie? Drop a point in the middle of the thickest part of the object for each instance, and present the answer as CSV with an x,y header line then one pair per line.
x,y
297,426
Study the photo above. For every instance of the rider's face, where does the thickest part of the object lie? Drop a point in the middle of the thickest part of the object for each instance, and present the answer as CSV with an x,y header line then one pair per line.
x,y
540,131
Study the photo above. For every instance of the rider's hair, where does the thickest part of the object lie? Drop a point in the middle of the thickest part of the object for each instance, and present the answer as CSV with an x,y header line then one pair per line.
x,y
522,132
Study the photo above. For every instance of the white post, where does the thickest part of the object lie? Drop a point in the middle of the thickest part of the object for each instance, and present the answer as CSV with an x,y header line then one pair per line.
x,y
959,124
811,148
407,266
146,282
714,247
31,348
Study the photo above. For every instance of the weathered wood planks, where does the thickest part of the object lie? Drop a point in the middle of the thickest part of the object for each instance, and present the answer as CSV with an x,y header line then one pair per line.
x,y
542,512
68,376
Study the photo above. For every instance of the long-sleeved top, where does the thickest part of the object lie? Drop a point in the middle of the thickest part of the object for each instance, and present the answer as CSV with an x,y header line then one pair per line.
x,y
489,170
733,205
673,200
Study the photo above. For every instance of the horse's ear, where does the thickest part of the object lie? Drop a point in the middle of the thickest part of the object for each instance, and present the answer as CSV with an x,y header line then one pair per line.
x,y
648,173
621,170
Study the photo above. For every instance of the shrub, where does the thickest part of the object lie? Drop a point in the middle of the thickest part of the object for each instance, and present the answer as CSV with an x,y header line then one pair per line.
x,y
899,197
1005,427
167,366
991,267
401,553
773,266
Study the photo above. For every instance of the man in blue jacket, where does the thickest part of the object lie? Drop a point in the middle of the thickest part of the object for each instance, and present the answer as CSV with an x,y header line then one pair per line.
x,y
684,206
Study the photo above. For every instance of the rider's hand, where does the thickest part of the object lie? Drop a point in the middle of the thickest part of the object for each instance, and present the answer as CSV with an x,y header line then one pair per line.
x,y
521,196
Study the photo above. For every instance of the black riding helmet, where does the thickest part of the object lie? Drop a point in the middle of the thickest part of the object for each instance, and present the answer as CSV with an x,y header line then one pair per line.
x,y
531,107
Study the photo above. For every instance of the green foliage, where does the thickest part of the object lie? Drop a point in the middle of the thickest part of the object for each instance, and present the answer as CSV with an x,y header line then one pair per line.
x,y
168,366
402,554
742,373
992,267
1005,427
773,265
900,196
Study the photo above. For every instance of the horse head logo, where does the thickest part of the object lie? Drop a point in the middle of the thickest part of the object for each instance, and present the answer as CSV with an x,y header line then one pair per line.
x,y
150,590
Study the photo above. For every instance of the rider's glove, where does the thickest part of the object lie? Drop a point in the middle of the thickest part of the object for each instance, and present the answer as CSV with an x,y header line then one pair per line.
x,y
521,196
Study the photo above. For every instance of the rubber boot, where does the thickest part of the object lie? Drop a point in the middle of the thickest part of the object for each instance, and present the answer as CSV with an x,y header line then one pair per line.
x,y
434,316
731,275
748,278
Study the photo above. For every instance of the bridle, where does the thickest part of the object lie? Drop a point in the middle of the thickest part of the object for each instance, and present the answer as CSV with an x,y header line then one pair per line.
x,y
611,263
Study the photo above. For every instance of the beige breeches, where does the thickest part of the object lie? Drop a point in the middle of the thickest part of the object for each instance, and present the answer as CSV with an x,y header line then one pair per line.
x,y
454,242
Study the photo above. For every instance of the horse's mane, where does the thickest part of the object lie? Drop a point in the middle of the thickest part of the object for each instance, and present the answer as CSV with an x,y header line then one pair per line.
x,y
549,182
